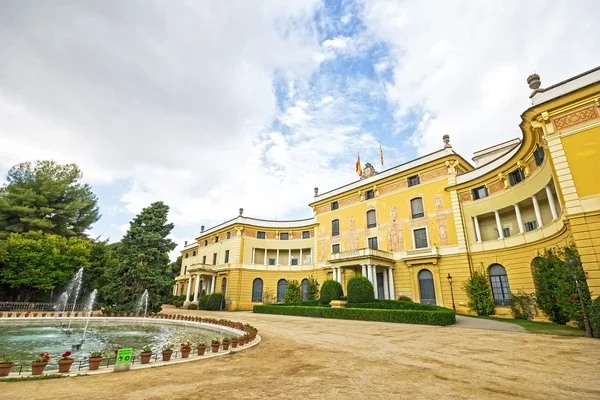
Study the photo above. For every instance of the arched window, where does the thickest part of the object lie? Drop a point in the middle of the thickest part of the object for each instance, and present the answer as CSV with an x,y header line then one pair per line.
x,y
371,219
224,286
305,285
499,281
335,227
194,253
281,288
416,208
186,255
206,242
426,287
257,290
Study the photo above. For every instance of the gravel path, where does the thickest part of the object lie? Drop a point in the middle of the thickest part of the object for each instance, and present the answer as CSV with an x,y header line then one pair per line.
x,y
306,358
476,323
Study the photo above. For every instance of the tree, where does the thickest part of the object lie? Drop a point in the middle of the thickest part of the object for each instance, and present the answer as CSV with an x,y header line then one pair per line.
x,y
102,269
144,261
331,290
360,290
35,261
293,293
175,267
480,294
313,288
47,197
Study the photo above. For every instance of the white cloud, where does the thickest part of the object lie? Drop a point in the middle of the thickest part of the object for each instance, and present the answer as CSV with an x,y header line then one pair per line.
x,y
461,66
336,43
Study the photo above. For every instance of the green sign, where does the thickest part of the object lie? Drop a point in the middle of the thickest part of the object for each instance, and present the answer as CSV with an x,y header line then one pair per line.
x,y
124,356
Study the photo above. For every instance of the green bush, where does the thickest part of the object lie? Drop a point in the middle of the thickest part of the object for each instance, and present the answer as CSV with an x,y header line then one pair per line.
x,y
215,302
308,303
441,317
395,305
313,288
404,298
594,312
360,290
522,305
480,294
193,307
293,293
178,303
203,303
331,290
177,298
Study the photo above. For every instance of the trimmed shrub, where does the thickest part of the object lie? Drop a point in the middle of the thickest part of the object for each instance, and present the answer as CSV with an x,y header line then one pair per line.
x,y
595,316
203,303
441,317
331,290
193,307
215,302
313,288
404,298
395,305
293,293
307,303
178,303
360,290
522,305
480,294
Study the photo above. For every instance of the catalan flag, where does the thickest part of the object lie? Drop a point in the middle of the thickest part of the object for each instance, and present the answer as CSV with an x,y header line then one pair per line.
x,y
381,154
358,166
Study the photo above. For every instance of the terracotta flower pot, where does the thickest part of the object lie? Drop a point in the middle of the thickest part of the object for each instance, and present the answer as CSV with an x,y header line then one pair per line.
x,y
64,365
241,341
37,368
5,368
145,356
234,343
226,345
201,350
185,353
215,347
94,363
166,355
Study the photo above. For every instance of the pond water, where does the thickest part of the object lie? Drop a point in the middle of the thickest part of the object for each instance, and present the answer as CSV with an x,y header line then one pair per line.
x,y
26,339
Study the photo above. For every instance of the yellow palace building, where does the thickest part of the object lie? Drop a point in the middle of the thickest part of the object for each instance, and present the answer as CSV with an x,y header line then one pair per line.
x,y
411,227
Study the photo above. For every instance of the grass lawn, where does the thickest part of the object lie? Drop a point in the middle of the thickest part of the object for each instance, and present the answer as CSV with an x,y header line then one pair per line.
x,y
544,328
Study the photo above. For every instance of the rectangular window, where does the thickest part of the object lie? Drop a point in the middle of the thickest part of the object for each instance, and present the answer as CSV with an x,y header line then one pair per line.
x,y
516,177
272,261
215,259
284,236
335,205
203,259
184,271
371,219
479,193
260,235
538,155
413,180
335,227
530,226
420,238
506,232
294,261
228,235
373,243
335,249
226,256
369,194
416,208
306,235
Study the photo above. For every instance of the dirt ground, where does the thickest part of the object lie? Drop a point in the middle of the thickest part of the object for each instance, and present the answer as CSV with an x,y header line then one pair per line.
x,y
306,358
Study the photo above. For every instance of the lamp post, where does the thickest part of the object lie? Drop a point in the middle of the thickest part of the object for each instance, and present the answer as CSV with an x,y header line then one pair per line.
x,y
452,292
572,264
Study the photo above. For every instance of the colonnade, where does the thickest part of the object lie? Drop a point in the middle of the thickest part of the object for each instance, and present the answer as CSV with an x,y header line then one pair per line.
x,y
370,272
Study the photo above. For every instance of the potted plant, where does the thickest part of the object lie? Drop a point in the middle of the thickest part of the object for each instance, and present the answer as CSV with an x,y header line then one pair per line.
x,y
186,348
146,354
201,348
6,363
167,351
65,362
38,365
215,344
95,359
234,343
226,343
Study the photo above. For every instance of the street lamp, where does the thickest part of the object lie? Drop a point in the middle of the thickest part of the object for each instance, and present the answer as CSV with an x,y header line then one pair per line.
x,y
572,264
452,293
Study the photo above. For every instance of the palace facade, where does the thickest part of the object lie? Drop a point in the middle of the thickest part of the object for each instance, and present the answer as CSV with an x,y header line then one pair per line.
x,y
412,227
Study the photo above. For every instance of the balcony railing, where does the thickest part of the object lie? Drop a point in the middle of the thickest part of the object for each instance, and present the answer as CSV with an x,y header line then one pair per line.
x,y
361,253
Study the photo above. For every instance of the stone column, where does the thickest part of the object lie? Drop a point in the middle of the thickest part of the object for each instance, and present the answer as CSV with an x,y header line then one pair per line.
x,y
364,270
551,203
536,208
375,290
386,289
391,282
519,219
212,286
370,273
477,231
290,257
253,254
499,225
277,258
197,288
340,274
175,290
189,288
265,258
300,261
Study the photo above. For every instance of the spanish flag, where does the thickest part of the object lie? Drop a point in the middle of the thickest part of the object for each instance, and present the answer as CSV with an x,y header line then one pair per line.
x,y
381,154
358,166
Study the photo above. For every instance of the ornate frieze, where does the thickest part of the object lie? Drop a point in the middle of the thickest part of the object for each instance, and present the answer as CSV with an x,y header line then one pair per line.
x,y
575,118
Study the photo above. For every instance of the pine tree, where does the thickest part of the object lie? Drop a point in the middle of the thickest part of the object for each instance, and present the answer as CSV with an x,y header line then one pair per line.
x,y
144,261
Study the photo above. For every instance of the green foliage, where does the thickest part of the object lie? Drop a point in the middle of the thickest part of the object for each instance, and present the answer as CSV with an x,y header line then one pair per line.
x,y
360,290
307,303
313,289
215,302
203,302
522,305
103,265
404,298
293,293
331,290
441,317
144,260
178,303
36,261
594,315
47,197
555,287
175,267
480,294
193,306
395,305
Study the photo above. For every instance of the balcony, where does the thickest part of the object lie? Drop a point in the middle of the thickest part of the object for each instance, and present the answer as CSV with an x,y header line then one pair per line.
x,y
426,255
362,256
199,267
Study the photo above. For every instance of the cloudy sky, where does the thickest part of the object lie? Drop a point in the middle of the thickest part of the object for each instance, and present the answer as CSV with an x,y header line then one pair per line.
x,y
215,105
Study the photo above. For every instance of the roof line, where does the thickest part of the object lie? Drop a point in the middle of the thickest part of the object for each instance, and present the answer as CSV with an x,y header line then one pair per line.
x,y
542,90
496,145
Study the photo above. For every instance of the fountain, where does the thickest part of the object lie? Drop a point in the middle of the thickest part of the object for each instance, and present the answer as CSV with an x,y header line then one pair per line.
x,y
90,309
143,303
75,284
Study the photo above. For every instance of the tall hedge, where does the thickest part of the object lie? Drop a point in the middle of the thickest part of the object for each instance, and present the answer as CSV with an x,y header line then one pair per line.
x,y
360,290
331,290
480,294
215,302
595,316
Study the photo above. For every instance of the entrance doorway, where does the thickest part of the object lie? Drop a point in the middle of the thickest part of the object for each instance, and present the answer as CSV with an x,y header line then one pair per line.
x,y
380,287
426,288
